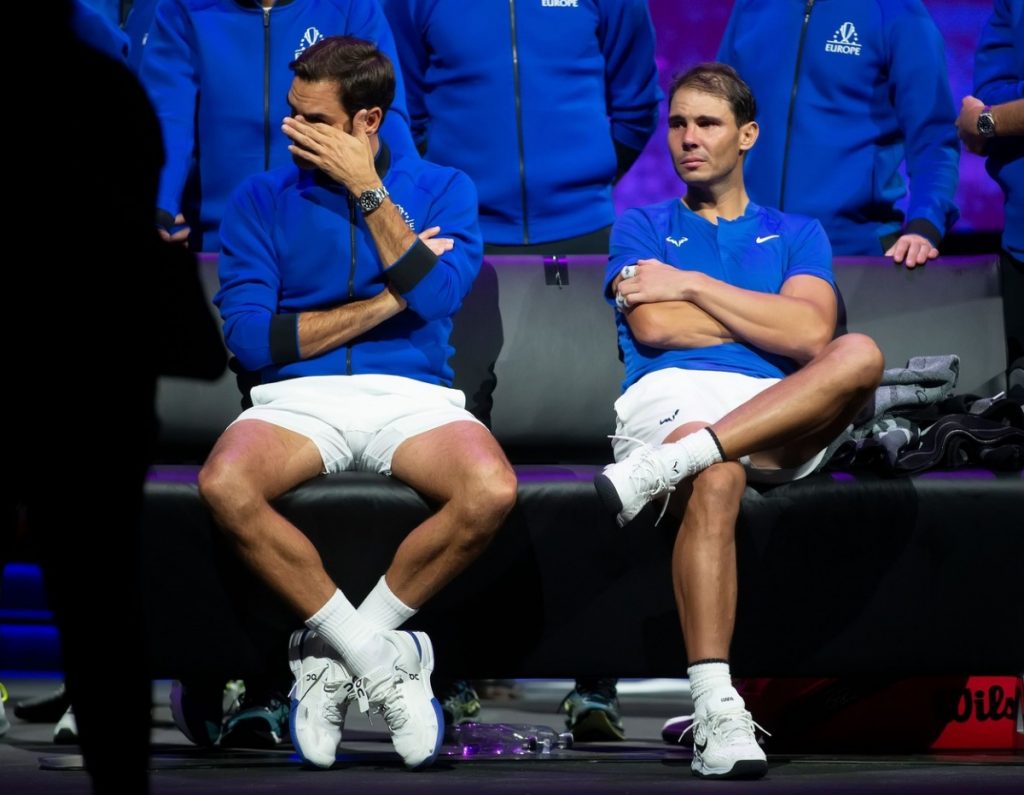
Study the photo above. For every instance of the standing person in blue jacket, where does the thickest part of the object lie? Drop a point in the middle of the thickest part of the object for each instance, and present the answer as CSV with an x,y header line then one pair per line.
x,y
217,72
848,90
543,104
328,294
992,123
725,312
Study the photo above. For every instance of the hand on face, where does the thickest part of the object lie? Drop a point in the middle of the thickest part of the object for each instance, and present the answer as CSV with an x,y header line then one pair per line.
x,y
345,157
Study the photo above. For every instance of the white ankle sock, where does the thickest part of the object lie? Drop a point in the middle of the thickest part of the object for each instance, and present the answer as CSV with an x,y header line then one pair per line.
x,y
690,455
383,610
705,678
359,643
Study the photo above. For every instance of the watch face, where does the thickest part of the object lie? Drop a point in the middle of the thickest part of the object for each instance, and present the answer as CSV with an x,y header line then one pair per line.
x,y
370,200
986,124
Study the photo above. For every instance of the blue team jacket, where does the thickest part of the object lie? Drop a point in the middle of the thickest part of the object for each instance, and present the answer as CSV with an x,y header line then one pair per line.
x,y
293,241
530,99
999,78
217,73
846,90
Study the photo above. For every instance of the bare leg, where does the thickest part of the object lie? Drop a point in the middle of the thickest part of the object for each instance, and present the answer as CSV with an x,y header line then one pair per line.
x,y
461,466
704,556
252,463
806,410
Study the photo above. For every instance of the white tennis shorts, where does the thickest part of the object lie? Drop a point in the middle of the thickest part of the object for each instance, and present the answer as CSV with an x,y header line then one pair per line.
x,y
662,401
357,421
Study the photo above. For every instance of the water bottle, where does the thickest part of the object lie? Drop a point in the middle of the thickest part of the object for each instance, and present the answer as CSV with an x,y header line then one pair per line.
x,y
505,739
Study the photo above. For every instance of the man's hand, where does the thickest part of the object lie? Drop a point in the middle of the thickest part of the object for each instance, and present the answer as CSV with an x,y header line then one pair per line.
x,y
439,245
652,281
347,159
178,233
912,250
967,125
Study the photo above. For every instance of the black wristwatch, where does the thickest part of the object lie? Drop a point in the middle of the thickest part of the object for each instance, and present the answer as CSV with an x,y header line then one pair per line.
x,y
370,200
986,123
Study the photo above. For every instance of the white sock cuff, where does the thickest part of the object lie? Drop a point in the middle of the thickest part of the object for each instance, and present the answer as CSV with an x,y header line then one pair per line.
x,y
383,609
702,450
337,608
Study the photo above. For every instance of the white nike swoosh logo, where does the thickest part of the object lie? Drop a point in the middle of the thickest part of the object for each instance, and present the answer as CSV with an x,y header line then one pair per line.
x,y
677,243
766,237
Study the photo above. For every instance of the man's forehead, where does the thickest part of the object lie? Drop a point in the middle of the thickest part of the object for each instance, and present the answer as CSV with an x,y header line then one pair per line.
x,y
691,101
325,95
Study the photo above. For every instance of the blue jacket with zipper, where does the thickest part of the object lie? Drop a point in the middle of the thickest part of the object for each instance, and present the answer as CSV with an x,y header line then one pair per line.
x,y
294,241
541,102
217,73
846,91
999,78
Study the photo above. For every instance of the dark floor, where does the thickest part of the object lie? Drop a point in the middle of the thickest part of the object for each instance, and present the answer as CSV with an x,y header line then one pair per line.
x,y
641,764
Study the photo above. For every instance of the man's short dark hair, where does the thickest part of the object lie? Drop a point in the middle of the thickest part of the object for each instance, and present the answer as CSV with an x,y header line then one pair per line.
x,y
364,74
722,81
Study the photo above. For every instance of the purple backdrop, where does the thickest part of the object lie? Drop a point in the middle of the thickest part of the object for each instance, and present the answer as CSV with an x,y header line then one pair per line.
x,y
690,32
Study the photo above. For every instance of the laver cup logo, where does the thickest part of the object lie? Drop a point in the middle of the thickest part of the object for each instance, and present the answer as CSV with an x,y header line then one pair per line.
x,y
844,41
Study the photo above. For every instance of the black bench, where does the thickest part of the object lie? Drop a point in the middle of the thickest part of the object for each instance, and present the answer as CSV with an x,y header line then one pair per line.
x,y
839,574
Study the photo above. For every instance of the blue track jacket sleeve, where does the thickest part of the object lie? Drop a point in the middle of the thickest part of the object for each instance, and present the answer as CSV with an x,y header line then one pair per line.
x,y
403,16
633,238
626,34
368,22
996,76
249,276
168,72
433,286
927,116
726,48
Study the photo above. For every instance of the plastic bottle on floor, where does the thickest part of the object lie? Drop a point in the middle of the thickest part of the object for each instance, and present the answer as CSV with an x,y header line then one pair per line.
x,y
506,739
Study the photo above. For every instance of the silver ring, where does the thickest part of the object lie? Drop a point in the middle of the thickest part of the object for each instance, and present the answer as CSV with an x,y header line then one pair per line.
x,y
628,272
621,301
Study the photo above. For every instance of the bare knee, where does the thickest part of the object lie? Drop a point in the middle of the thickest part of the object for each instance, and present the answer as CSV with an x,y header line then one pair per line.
x,y
862,360
715,501
720,484
229,495
484,501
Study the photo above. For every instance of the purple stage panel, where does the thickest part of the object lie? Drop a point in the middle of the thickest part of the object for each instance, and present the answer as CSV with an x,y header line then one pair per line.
x,y
689,33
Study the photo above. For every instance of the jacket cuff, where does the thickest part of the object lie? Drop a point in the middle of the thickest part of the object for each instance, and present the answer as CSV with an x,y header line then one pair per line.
x,y
284,338
920,226
413,265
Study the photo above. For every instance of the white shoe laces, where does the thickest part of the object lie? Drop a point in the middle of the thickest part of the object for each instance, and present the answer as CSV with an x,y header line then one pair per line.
x,y
731,727
334,709
391,706
647,474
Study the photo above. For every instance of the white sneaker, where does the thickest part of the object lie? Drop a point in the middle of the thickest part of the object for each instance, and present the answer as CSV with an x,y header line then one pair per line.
x,y
66,730
724,745
627,486
319,697
401,693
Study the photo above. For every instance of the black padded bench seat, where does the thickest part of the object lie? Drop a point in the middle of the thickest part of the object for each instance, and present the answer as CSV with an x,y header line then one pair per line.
x,y
839,574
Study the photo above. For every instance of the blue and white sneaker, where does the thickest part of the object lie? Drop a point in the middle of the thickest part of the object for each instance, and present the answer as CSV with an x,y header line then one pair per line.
x,y
261,721
400,691
319,697
724,745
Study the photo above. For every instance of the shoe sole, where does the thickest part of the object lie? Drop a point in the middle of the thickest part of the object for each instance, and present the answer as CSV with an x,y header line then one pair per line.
x,y
426,654
606,491
743,769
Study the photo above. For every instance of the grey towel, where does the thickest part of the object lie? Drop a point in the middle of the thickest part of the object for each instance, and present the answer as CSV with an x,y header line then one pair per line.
x,y
924,381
